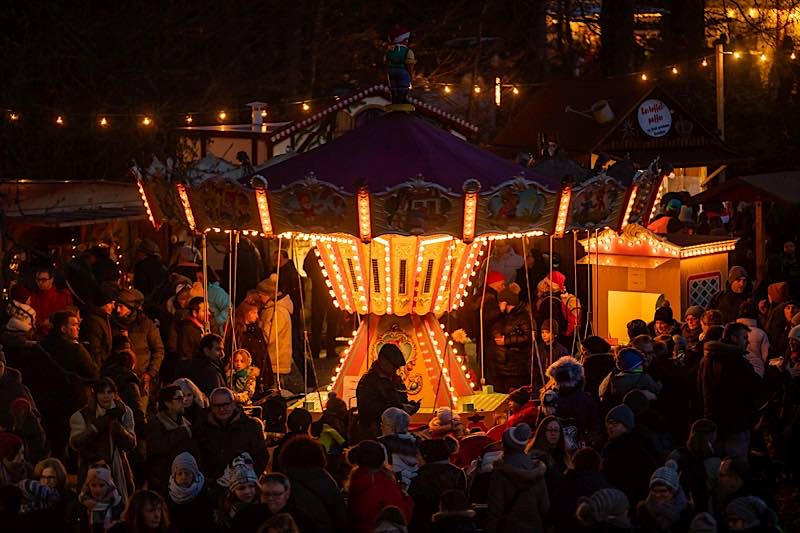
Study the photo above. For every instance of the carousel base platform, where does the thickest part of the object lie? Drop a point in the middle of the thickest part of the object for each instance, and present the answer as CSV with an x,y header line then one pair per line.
x,y
486,404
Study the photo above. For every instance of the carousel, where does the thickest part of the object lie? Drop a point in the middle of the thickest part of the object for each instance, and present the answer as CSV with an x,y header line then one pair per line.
x,y
402,215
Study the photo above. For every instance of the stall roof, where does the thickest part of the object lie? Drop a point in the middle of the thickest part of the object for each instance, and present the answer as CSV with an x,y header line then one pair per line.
x,y
782,187
69,203
625,261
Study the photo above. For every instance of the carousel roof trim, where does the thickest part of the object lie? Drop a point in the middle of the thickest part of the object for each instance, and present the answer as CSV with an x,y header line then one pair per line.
x,y
635,240
454,120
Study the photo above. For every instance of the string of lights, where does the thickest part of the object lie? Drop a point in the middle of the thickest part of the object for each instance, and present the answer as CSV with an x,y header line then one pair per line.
x,y
15,114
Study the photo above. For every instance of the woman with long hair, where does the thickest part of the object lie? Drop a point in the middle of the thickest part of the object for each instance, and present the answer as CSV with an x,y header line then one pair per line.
x,y
547,445
194,401
146,513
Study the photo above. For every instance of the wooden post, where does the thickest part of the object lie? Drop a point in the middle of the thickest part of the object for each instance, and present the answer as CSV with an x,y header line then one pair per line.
x,y
760,240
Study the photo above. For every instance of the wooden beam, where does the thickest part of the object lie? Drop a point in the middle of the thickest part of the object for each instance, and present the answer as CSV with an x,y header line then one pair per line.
x,y
760,240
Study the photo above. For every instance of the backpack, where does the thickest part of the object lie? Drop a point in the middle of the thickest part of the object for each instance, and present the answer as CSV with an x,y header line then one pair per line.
x,y
572,311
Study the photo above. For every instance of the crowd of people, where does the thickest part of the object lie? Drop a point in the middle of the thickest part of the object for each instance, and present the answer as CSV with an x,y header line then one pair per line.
x,y
149,408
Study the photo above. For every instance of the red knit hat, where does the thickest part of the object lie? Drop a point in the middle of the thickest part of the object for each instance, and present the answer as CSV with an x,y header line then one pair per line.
x,y
9,445
494,277
558,278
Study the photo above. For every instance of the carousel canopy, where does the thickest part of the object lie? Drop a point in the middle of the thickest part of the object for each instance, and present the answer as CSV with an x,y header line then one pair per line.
x,y
396,148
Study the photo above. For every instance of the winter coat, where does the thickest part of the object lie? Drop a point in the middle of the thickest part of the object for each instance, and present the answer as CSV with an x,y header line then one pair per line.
x,y
699,477
628,464
184,341
279,335
315,492
45,303
220,443
596,367
95,333
757,340
574,402
368,493
646,521
149,274
375,394
244,392
218,304
518,499
72,357
96,436
617,384
145,340
166,438
513,358
196,516
431,481
402,452
575,484
11,388
252,339
691,335
128,387
453,522
205,372
729,387
728,302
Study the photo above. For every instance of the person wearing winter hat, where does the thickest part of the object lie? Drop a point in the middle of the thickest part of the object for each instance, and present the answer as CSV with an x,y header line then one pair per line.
x,y
703,523
566,379
496,281
131,320
518,499
96,332
579,482
521,407
758,345
691,328
102,501
631,375
21,317
637,327
666,507
549,304
597,361
550,344
445,422
434,477
606,507
402,446
186,480
663,323
698,463
372,486
241,483
13,467
750,513
454,514
149,273
381,388
627,457
727,301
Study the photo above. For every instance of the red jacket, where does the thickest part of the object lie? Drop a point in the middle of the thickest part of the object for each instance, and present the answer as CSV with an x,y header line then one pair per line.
x,y
45,303
370,492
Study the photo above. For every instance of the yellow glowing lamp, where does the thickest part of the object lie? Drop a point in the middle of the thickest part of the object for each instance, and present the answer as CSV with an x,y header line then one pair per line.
x,y
103,121
364,215
515,90
644,76
189,119
13,117
60,120
306,107
187,207
477,89
222,115
675,70
260,187
471,188
737,55
563,210
447,89
705,62
629,207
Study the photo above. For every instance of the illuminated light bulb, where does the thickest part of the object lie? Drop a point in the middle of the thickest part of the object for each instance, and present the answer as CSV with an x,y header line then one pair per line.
x,y
737,55
674,70
189,119
306,107
103,121
704,62
793,56
222,115
60,120
477,89
13,117
146,121
763,57
447,89
644,77
515,90
264,113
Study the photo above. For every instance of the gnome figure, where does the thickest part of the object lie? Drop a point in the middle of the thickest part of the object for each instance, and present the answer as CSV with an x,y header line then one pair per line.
x,y
400,60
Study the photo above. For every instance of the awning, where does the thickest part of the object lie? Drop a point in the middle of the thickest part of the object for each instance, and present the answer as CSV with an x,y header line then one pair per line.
x,y
624,261
781,187
80,217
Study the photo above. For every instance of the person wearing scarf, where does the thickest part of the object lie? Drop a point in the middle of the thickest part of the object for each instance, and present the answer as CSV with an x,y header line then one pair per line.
x,y
102,500
402,446
244,376
190,506
666,508
242,483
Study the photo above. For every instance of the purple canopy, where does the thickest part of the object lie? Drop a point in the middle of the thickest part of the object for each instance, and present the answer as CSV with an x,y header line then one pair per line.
x,y
394,148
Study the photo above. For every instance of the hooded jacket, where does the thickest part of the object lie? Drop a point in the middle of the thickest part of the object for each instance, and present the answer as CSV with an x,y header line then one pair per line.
x,y
729,387
518,499
573,401
402,450
369,492
279,336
